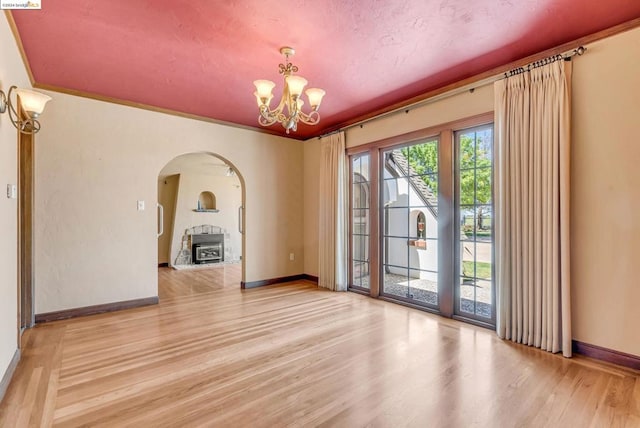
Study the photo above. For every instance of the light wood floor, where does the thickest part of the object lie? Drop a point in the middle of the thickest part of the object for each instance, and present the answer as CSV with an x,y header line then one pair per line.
x,y
212,355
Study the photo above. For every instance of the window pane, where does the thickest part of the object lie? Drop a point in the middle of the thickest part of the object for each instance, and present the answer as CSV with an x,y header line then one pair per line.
x,y
467,187
423,158
484,298
360,274
484,216
396,282
423,190
360,193
484,257
360,248
467,304
467,259
484,148
396,252
474,189
423,224
483,185
396,221
423,254
355,167
467,223
423,286
476,223
467,151
396,192
360,217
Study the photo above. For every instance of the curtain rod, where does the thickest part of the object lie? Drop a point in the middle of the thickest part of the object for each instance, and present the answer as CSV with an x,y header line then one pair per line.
x,y
567,55
551,59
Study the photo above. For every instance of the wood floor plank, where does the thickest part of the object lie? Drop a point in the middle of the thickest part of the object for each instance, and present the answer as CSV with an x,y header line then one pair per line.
x,y
211,354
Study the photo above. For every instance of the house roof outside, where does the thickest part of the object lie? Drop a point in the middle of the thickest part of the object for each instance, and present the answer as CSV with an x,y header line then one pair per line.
x,y
398,163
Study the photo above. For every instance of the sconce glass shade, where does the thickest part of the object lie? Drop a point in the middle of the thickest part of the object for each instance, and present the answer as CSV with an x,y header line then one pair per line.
x,y
263,91
32,102
296,84
315,97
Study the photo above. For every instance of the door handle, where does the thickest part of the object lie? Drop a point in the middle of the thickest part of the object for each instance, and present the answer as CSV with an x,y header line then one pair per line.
x,y
160,220
240,215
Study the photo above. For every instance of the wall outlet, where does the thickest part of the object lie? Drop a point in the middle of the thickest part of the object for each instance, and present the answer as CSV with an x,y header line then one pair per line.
x,y
12,191
292,256
140,205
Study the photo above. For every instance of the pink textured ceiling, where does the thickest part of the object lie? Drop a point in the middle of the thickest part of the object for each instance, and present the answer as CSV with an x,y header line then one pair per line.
x,y
201,57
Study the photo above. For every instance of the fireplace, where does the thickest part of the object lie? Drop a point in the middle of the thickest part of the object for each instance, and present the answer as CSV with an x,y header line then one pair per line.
x,y
207,248
207,253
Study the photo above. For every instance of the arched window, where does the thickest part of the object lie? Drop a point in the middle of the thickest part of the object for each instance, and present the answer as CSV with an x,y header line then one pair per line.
x,y
421,226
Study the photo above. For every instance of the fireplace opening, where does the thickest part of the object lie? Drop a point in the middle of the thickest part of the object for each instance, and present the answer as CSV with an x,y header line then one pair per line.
x,y
207,248
208,253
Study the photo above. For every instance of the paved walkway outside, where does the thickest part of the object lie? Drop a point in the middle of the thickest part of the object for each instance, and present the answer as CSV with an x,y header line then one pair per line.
x,y
425,291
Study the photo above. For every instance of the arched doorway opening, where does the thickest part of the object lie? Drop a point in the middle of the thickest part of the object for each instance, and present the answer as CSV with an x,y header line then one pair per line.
x,y
200,224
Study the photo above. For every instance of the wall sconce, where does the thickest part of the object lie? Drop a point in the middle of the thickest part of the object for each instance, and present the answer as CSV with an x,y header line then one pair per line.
x,y
32,103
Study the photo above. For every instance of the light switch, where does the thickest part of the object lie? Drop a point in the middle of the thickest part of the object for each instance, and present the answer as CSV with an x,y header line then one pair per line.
x,y
140,205
292,256
12,191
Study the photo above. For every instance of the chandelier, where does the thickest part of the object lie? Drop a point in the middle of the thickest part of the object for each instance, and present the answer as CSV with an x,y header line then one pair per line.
x,y
289,111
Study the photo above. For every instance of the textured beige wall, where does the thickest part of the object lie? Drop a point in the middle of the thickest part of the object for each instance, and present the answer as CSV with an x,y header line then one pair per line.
x,y
167,193
606,194
12,72
228,198
461,106
95,160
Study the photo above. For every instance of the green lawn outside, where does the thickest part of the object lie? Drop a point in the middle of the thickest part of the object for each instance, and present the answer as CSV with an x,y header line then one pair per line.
x,y
483,269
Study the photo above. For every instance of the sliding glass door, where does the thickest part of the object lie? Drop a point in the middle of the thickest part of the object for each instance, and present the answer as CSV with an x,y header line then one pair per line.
x,y
429,223
410,223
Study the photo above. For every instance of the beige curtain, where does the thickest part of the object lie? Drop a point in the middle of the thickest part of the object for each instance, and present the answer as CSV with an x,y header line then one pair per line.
x,y
332,238
532,127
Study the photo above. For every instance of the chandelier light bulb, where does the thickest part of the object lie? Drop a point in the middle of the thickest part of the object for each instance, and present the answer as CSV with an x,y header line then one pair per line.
x,y
264,90
261,100
296,84
315,97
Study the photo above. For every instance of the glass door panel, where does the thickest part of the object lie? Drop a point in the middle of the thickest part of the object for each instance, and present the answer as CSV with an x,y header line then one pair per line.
x,y
410,223
360,221
475,294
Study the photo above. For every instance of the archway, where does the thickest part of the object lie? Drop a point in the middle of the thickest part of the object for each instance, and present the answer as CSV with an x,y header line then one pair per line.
x,y
201,216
